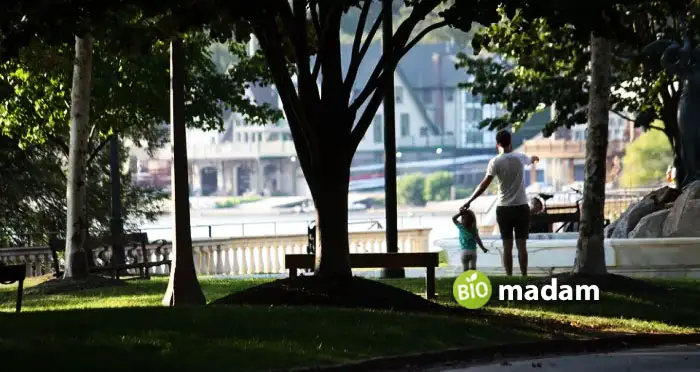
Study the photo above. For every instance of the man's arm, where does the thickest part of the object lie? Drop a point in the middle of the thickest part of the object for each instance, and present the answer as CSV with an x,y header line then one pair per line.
x,y
479,190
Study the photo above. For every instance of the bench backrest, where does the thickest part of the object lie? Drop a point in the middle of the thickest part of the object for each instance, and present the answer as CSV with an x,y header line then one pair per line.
x,y
59,245
370,260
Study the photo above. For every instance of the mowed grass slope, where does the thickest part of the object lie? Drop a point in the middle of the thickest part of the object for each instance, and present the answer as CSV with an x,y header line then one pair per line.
x,y
126,328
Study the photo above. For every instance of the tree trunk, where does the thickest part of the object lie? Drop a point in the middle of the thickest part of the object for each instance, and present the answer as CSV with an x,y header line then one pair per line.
x,y
183,286
590,254
330,194
76,257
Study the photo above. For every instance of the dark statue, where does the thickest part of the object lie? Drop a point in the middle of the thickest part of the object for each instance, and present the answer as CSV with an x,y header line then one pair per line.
x,y
684,62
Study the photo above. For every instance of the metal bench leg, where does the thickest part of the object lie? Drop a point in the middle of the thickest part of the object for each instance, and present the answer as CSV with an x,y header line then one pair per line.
x,y
430,282
20,291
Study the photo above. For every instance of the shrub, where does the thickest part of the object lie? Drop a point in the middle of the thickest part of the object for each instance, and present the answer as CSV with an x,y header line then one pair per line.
x,y
438,185
410,189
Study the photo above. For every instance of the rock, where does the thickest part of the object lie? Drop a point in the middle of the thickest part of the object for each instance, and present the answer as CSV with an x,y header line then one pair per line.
x,y
629,219
650,226
682,220
664,195
610,229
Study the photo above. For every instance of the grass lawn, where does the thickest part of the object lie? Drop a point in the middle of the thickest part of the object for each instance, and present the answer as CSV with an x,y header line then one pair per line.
x,y
120,328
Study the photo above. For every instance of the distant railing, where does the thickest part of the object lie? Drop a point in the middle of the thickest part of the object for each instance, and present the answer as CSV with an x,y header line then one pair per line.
x,y
230,256
565,148
230,150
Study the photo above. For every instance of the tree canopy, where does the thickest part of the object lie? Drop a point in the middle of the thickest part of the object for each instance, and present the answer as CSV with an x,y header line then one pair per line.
x,y
539,63
646,160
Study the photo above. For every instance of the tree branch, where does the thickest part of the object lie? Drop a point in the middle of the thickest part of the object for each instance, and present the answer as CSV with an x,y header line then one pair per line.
x,y
99,148
622,116
302,134
657,128
422,34
358,56
400,48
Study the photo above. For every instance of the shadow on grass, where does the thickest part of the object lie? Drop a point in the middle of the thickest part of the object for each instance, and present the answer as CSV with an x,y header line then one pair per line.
x,y
239,338
673,302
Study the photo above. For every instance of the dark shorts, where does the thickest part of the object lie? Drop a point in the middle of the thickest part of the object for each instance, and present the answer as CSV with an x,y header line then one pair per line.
x,y
514,218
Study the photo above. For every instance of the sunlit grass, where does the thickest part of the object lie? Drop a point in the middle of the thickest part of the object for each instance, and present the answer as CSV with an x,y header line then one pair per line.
x,y
118,328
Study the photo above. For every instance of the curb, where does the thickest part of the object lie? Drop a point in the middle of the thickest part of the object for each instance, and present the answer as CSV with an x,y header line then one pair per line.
x,y
498,352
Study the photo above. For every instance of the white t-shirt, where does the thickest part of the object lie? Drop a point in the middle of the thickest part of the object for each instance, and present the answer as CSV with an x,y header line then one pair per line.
x,y
508,168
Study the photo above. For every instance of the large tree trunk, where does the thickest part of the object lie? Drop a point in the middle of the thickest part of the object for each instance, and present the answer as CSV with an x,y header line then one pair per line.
x,y
590,254
183,286
330,195
76,257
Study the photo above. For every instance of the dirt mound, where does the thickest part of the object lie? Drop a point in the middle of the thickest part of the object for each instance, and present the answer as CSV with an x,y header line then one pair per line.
x,y
353,292
58,286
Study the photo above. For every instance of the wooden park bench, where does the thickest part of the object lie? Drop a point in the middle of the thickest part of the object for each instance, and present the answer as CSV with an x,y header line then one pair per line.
x,y
137,241
14,273
430,261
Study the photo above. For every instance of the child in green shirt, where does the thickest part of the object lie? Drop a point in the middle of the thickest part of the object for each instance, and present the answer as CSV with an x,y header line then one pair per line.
x,y
468,238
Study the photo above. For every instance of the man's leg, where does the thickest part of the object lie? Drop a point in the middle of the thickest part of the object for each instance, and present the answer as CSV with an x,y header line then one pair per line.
x,y
521,235
505,224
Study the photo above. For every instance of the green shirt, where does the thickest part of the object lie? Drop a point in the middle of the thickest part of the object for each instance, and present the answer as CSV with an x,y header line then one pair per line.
x,y
466,238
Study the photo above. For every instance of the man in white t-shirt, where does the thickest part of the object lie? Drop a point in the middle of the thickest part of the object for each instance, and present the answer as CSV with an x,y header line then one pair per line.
x,y
513,210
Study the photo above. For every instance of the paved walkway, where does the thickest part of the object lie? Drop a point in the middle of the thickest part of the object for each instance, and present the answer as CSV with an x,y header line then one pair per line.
x,y
666,359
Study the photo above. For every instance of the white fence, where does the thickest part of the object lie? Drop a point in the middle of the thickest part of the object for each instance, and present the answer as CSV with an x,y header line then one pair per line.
x,y
231,256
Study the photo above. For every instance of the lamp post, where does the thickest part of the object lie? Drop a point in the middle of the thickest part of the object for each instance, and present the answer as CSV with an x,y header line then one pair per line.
x,y
390,200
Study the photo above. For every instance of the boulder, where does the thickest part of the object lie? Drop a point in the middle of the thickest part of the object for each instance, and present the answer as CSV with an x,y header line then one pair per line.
x,y
650,226
629,219
610,229
683,217
653,202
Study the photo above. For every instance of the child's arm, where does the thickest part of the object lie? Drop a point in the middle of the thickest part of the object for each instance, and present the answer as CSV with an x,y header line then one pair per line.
x,y
479,242
454,219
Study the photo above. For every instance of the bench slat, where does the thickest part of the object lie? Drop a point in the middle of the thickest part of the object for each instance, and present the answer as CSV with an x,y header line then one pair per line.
x,y
370,260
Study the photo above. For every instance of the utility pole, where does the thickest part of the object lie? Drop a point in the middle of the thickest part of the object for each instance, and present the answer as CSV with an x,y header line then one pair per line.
x,y
390,201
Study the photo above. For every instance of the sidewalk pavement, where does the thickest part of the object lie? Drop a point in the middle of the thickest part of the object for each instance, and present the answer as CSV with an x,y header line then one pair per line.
x,y
668,359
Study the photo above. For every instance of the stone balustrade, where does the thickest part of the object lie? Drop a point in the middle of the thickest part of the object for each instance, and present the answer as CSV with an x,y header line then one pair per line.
x,y
231,256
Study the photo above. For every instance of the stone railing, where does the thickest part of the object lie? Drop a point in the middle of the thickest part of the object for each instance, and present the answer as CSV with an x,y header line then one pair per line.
x,y
232,256
552,253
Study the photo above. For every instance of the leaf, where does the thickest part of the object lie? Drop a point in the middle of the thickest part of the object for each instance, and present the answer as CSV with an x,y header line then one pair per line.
x,y
473,277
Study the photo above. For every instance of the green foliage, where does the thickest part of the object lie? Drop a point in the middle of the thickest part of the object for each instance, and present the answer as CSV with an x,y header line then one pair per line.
x,y
438,185
410,189
233,202
464,192
33,185
646,160
543,62
129,95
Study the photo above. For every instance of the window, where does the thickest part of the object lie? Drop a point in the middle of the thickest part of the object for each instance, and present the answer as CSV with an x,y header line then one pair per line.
x,y
427,96
474,114
378,128
449,95
472,98
405,125
475,138
398,94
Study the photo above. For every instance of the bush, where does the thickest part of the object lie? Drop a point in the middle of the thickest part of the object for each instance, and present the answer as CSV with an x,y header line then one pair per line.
x,y
410,189
438,185
231,203
464,192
